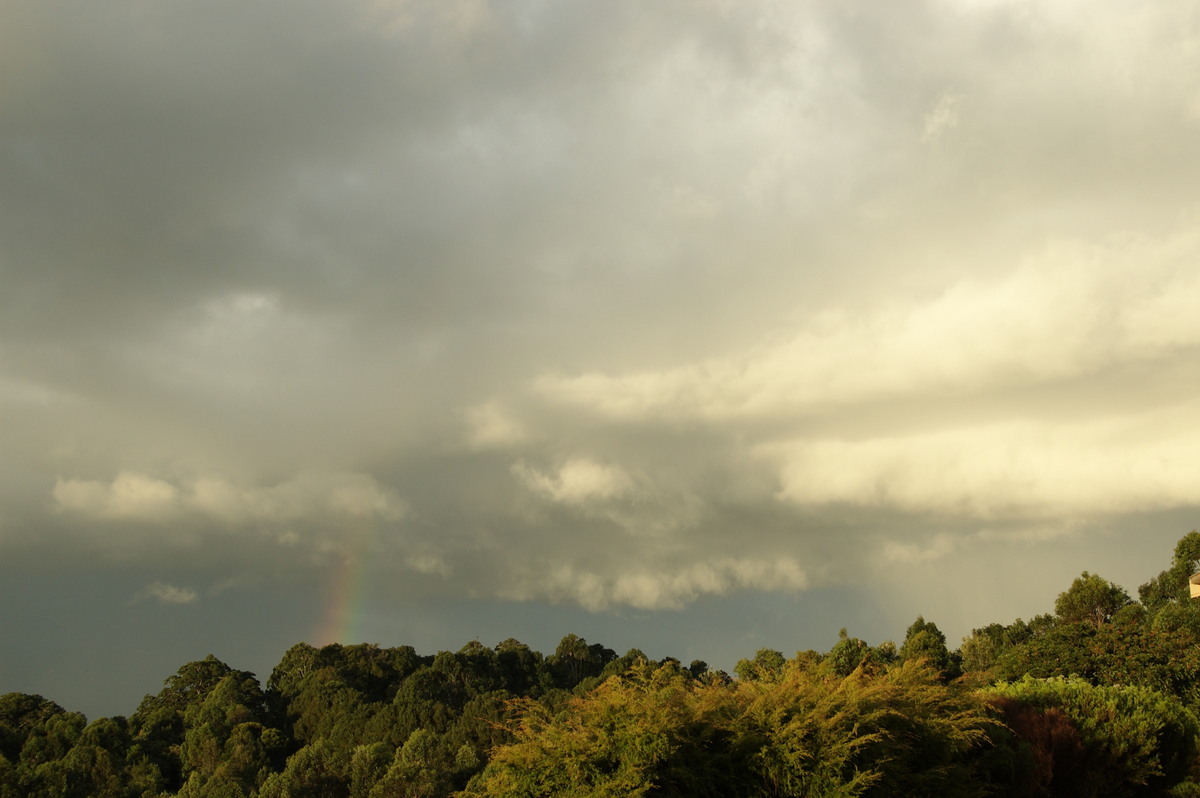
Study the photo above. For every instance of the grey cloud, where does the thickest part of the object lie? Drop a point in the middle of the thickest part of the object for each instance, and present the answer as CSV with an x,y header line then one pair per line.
x,y
605,305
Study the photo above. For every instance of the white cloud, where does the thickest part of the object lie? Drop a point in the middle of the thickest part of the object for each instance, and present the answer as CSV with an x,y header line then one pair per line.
x,y
1070,310
169,594
428,564
493,426
641,507
360,496
1037,470
578,481
135,496
129,495
905,552
665,587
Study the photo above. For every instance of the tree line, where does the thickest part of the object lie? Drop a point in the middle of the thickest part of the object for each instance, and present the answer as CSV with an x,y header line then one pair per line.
x,y
1098,698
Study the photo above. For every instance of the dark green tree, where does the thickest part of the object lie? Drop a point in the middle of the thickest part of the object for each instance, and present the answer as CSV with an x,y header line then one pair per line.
x,y
574,660
315,771
846,655
924,641
766,664
523,670
189,685
420,770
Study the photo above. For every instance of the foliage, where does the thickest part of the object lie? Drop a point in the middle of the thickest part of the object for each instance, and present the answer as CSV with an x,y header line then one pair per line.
x,y
924,641
1171,585
767,665
654,730
799,731
1099,698
847,654
1100,740
1090,599
901,732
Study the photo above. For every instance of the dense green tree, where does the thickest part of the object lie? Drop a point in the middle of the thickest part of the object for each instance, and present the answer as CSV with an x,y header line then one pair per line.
x,y
1091,599
420,770
846,655
574,660
22,716
895,733
41,768
924,641
338,691
1171,585
468,672
482,723
621,665
95,765
315,771
227,748
767,664
154,754
368,764
427,701
800,732
652,731
288,677
328,709
189,685
1131,740
9,783
1113,654
982,648
523,670
373,671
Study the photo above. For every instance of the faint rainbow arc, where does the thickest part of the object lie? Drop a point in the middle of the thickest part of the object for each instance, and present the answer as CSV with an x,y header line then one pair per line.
x,y
344,609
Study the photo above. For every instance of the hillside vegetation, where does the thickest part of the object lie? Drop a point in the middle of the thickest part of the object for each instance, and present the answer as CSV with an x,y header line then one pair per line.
x,y
1099,698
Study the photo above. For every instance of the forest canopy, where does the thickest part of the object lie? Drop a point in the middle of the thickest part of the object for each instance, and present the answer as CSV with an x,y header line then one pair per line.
x,y
1098,698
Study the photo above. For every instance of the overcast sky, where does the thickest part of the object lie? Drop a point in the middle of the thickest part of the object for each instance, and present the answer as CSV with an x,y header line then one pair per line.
x,y
699,327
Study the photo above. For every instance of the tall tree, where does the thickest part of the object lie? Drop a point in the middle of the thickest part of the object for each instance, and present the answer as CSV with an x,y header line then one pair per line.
x,y
924,641
767,664
574,660
1090,599
847,654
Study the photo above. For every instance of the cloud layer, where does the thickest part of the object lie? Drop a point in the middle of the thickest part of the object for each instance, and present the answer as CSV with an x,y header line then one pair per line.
x,y
613,306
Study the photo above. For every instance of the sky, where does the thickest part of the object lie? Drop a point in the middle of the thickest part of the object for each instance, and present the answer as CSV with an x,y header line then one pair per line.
x,y
695,327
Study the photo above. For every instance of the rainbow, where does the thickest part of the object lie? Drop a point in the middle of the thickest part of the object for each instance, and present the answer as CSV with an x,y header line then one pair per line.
x,y
343,616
